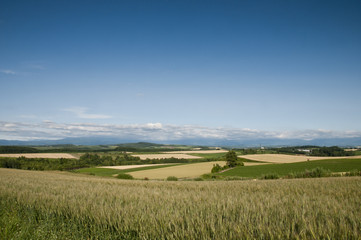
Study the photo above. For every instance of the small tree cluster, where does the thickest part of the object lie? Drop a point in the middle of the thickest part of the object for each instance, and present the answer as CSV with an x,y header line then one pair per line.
x,y
232,160
216,168
172,178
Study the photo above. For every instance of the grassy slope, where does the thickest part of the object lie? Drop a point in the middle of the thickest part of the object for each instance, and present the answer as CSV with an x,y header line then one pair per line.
x,y
107,172
248,160
335,165
48,205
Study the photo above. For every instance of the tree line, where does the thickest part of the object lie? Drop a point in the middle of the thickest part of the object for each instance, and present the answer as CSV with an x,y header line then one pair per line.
x,y
86,160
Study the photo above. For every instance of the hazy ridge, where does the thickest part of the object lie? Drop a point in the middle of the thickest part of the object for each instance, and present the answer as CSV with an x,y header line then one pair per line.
x,y
103,140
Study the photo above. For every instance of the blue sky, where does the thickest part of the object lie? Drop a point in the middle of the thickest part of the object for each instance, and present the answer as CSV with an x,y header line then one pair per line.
x,y
266,66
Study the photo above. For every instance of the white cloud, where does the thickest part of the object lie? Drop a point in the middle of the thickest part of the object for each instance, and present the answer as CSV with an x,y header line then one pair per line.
x,y
7,71
154,125
81,112
154,131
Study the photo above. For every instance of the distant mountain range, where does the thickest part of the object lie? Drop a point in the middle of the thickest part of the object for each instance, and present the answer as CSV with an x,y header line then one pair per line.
x,y
106,140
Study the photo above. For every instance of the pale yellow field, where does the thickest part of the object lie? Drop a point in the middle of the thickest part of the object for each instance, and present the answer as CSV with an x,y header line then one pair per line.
x,y
134,166
164,155
283,158
39,155
201,151
182,171
254,163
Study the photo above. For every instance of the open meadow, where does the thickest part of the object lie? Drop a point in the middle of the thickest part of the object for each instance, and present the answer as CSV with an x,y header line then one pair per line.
x,y
46,205
256,170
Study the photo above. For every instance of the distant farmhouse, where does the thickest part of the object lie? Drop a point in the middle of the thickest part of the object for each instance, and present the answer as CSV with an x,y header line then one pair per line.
x,y
304,150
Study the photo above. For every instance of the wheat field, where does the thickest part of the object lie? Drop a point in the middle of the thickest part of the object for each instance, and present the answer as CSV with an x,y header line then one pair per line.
x,y
283,158
202,151
124,167
182,171
49,205
39,155
165,155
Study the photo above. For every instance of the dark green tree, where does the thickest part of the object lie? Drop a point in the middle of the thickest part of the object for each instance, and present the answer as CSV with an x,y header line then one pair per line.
x,y
231,158
216,168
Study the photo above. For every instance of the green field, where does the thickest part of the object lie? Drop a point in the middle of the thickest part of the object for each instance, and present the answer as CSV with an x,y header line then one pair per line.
x,y
58,205
335,165
108,172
